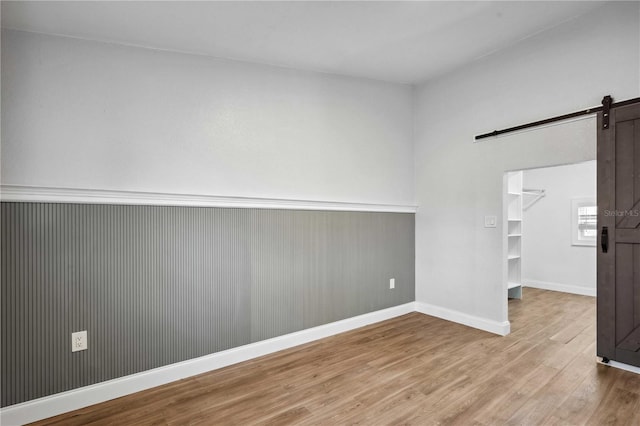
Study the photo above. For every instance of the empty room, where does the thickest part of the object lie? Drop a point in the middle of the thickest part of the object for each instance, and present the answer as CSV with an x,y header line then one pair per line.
x,y
320,213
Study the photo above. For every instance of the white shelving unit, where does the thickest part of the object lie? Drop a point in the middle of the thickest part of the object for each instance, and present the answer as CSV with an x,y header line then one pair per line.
x,y
514,235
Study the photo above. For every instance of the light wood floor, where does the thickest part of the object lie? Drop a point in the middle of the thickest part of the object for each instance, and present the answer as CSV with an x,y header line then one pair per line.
x,y
414,369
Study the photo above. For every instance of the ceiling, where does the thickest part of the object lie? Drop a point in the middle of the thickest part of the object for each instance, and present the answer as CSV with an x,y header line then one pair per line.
x,y
396,41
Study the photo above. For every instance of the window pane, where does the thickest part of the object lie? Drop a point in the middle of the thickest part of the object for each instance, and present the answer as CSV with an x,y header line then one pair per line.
x,y
587,222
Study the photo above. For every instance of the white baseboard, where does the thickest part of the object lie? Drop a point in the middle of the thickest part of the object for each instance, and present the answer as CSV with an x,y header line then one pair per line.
x,y
565,288
623,366
75,399
496,327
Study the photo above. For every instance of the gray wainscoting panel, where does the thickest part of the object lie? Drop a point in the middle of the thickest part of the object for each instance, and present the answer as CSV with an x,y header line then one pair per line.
x,y
157,285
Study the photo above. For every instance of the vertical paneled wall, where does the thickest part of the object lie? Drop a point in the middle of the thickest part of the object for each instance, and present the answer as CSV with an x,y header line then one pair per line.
x,y
157,285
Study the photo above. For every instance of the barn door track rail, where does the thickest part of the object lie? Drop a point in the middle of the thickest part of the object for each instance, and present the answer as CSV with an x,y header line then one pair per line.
x,y
607,105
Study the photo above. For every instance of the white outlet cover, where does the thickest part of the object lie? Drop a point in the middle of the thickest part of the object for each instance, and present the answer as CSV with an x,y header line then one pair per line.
x,y
392,283
79,341
490,221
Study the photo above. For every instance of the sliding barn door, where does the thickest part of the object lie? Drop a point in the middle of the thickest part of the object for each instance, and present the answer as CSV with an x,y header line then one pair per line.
x,y
619,240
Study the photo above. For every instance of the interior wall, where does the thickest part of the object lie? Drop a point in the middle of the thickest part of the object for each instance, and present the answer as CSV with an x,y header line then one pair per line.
x,y
85,114
153,285
459,263
549,260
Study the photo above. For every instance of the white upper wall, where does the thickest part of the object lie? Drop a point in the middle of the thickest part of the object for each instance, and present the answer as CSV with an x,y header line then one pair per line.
x,y
93,115
459,263
548,256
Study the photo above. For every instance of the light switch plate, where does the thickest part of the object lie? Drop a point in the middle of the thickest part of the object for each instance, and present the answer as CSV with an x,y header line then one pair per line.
x,y
490,221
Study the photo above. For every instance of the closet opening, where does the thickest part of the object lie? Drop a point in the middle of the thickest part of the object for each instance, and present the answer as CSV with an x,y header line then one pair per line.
x,y
550,231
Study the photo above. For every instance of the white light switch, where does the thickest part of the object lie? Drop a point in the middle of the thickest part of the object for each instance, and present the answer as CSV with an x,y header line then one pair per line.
x,y
392,283
490,221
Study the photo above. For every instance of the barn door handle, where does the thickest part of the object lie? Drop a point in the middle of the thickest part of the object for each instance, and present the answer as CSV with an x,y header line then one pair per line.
x,y
604,239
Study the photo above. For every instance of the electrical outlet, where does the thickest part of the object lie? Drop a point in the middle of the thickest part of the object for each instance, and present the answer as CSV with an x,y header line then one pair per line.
x,y
79,341
392,283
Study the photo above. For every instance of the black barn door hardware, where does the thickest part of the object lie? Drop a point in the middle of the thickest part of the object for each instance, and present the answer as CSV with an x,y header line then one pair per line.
x,y
604,239
607,104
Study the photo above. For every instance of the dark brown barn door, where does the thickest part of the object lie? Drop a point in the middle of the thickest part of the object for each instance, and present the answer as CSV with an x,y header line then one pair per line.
x,y
619,240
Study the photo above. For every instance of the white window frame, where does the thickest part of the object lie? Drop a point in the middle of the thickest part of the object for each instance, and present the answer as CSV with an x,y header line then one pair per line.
x,y
576,238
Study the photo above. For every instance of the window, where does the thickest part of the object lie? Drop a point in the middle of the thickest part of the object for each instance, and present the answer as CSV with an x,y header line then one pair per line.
x,y
584,221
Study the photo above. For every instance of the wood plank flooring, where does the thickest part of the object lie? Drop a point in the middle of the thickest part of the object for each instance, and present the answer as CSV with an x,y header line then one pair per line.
x,y
414,369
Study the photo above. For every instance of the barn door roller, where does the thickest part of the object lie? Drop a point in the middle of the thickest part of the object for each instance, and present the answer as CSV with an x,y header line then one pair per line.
x,y
606,109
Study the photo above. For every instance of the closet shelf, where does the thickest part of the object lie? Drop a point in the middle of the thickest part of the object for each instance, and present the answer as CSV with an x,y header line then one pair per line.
x,y
530,191
513,204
